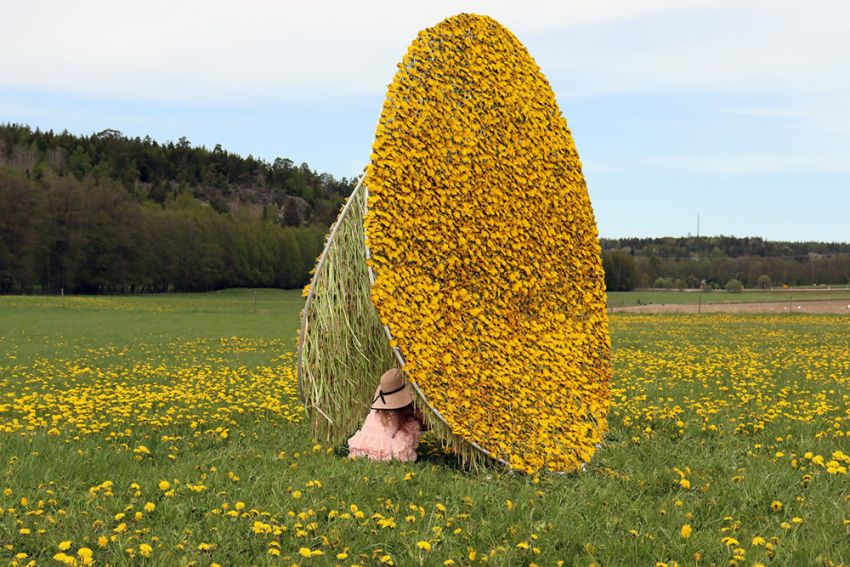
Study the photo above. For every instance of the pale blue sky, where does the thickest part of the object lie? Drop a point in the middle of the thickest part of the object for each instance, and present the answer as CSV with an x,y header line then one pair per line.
x,y
736,111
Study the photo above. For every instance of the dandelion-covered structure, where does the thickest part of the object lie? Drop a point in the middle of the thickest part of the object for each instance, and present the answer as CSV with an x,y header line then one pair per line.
x,y
469,254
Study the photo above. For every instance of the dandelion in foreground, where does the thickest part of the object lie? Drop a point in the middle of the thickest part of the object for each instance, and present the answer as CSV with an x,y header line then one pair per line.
x,y
85,554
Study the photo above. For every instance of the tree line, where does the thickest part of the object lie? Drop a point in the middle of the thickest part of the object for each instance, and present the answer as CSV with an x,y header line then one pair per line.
x,y
110,214
62,233
717,262
157,171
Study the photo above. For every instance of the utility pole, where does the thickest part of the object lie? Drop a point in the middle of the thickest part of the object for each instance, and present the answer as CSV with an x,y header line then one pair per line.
x,y
697,243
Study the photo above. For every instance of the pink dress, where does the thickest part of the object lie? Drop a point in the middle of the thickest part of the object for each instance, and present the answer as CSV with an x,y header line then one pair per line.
x,y
381,442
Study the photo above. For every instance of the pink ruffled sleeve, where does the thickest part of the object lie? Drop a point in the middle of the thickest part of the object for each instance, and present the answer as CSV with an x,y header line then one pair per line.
x,y
406,440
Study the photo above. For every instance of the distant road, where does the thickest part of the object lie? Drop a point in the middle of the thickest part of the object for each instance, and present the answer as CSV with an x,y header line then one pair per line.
x,y
841,306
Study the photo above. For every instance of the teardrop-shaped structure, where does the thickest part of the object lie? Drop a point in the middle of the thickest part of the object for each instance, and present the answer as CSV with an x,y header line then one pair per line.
x,y
484,256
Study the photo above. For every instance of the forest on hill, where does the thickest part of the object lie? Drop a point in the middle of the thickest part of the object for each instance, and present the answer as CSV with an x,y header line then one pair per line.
x,y
110,214
106,213
712,262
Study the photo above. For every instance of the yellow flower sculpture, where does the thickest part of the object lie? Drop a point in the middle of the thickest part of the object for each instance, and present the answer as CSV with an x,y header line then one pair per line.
x,y
485,251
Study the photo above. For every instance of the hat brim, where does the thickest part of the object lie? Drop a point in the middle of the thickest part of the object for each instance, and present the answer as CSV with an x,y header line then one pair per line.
x,y
395,400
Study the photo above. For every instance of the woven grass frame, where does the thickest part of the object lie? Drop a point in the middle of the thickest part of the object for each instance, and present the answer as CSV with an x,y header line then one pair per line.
x,y
343,348
341,345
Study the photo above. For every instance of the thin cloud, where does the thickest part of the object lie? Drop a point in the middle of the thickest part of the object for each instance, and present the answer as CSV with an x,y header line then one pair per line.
x,y
188,51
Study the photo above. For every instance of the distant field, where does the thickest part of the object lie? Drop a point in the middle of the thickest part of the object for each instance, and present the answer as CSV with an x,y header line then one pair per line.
x,y
165,430
628,298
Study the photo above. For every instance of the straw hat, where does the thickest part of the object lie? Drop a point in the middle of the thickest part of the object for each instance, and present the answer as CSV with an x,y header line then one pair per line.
x,y
393,393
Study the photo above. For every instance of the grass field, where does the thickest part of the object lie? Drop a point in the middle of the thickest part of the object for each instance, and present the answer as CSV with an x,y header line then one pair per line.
x,y
649,297
165,430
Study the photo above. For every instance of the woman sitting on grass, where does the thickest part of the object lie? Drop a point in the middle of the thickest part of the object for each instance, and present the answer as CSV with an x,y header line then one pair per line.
x,y
392,428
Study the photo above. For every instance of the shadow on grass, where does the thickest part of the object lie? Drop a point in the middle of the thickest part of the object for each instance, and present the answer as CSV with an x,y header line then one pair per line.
x,y
430,452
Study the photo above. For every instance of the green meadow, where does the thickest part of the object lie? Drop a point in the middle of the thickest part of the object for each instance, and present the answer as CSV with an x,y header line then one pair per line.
x,y
166,430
